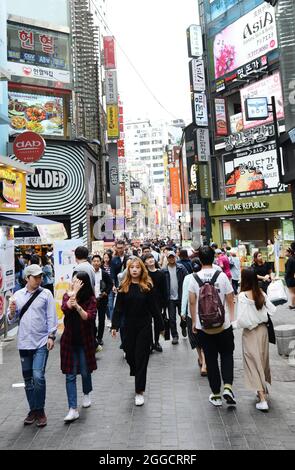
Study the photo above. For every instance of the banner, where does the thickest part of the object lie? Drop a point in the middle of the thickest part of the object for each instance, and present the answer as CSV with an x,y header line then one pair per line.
x,y
113,122
220,114
175,189
7,280
203,145
109,52
205,181
114,176
64,263
111,87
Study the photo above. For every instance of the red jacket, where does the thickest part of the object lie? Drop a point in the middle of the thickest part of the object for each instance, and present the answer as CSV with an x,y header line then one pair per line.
x,y
87,333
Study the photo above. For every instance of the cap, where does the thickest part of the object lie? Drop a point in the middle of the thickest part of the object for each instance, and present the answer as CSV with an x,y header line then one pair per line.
x,y
218,251
33,270
171,253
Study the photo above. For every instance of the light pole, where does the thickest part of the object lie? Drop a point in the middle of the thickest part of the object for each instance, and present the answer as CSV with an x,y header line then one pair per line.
x,y
180,229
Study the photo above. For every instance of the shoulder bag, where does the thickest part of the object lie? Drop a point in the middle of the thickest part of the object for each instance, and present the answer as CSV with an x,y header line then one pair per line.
x,y
29,302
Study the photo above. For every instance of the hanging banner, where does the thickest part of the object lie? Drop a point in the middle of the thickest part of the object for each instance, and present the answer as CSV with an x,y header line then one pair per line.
x,y
114,176
111,87
200,109
174,189
197,75
203,145
113,122
109,52
220,114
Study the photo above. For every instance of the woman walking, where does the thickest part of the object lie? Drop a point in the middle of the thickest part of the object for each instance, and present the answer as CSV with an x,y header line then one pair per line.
x,y
135,300
77,345
262,270
252,316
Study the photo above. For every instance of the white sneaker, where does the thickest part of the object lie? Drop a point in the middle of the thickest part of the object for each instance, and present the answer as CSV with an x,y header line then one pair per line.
x,y
262,406
139,400
215,400
72,415
86,401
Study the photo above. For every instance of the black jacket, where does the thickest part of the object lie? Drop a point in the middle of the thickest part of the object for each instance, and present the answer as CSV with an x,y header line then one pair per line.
x,y
187,264
106,285
181,272
116,267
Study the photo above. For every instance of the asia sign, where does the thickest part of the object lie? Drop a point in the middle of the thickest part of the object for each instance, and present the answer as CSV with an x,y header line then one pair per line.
x,y
36,113
252,172
220,114
197,75
113,122
248,38
111,87
109,52
200,110
38,53
12,191
268,87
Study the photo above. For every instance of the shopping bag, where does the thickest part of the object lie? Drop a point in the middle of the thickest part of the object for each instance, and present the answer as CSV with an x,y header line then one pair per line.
x,y
270,331
276,293
166,326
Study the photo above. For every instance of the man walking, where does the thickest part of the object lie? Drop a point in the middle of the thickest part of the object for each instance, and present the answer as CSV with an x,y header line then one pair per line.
x,y
83,265
175,274
208,291
34,307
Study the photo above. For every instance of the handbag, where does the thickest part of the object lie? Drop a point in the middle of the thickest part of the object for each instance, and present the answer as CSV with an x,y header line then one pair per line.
x,y
276,293
166,326
270,330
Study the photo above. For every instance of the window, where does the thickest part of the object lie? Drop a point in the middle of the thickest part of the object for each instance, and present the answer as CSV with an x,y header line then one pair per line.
x,y
158,172
157,149
147,142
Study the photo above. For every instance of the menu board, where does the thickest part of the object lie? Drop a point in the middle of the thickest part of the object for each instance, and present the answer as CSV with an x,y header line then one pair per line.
x,y
36,113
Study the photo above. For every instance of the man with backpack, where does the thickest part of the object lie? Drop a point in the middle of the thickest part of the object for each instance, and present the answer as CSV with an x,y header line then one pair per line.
x,y
209,289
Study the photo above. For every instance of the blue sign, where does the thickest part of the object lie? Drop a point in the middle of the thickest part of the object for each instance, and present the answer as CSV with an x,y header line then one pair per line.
x,y
219,7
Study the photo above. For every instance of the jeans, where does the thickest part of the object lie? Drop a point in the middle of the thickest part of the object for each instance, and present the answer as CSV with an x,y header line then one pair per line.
x,y
33,362
172,306
110,307
71,379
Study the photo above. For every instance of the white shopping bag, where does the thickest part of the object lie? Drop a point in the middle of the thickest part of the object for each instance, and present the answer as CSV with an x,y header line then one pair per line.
x,y
276,293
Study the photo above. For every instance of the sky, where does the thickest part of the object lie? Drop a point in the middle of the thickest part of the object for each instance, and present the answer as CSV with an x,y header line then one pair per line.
x,y
153,35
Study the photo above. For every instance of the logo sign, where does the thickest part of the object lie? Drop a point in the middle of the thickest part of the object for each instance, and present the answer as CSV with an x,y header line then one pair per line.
x,y
220,85
197,75
250,137
200,109
220,113
252,67
46,179
111,87
248,38
194,41
29,147
203,144
109,52
113,122
256,109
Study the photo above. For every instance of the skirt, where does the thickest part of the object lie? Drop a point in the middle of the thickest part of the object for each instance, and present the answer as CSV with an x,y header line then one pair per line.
x,y
193,337
256,358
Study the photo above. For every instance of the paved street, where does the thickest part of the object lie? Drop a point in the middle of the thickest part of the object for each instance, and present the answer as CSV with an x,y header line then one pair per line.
x,y
176,415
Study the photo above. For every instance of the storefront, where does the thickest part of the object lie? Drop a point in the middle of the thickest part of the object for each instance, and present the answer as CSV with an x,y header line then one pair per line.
x,y
248,223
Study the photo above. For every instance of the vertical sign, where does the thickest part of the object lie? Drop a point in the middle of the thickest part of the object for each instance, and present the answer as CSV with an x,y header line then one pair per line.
x,y
203,145
175,189
220,113
204,181
113,121
111,87
194,41
197,75
200,109
109,52
114,174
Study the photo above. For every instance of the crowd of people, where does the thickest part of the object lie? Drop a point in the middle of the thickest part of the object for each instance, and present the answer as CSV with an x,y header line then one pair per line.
x,y
143,292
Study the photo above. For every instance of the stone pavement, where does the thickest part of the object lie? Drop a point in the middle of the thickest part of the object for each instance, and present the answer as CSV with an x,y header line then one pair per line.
x,y
176,415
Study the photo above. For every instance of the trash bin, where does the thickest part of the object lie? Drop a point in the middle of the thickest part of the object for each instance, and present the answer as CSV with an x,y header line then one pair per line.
x,y
284,335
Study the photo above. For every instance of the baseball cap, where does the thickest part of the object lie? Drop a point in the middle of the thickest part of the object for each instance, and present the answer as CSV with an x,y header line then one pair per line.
x,y
218,251
33,270
171,253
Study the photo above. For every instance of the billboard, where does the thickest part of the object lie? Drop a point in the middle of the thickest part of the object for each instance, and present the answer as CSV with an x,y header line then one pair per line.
x,y
252,171
38,53
36,113
248,38
268,87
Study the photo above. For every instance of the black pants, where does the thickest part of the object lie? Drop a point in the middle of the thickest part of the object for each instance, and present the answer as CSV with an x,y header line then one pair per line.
x,y
173,305
222,344
101,312
136,344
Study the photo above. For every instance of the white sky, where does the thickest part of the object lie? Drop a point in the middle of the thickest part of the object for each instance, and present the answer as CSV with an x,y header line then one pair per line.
x,y
153,35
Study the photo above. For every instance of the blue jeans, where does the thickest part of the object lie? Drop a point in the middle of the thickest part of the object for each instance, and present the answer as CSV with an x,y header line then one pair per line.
x,y
110,307
33,362
71,379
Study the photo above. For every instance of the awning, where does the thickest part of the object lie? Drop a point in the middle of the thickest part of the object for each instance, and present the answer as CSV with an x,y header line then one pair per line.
x,y
28,219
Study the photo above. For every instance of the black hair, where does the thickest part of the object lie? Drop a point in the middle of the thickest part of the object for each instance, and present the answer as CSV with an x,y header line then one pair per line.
x,y
86,292
146,247
109,254
249,282
145,257
206,255
81,252
35,259
96,256
120,242
196,265
183,254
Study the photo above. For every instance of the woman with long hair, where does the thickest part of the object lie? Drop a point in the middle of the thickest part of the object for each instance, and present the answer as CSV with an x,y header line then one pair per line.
x,y
136,301
77,344
262,270
252,316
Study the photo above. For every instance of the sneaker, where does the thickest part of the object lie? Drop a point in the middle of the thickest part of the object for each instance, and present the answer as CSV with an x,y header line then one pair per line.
x,y
229,396
31,418
139,400
71,416
183,328
86,401
262,406
99,348
41,419
215,399
158,347
175,340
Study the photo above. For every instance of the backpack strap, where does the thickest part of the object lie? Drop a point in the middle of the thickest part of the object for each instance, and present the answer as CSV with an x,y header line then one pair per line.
x,y
215,277
29,302
198,280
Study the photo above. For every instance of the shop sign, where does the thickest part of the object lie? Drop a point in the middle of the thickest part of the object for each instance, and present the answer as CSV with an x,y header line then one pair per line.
x,y
204,181
38,53
256,109
197,75
111,87
253,136
46,179
203,145
109,52
6,259
175,189
12,191
194,41
27,241
220,114
113,122
200,109
250,37
268,87
29,147
220,85
37,113
246,206
252,171
252,67
236,123
114,175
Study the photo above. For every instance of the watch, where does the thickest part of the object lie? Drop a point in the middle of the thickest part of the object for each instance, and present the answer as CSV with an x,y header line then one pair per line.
x,y
51,337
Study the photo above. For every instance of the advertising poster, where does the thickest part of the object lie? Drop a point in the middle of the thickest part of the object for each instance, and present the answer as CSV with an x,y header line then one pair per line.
x,y
236,123
268,87
248,38
64,263
36,113
252,171
12,190
6,259
113,122
220,113
98,248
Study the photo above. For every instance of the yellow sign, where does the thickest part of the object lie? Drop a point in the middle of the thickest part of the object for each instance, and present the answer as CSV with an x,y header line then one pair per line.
x,y
113,121
12,191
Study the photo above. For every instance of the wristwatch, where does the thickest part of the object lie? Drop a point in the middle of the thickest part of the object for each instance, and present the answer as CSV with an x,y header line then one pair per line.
x,y
51,337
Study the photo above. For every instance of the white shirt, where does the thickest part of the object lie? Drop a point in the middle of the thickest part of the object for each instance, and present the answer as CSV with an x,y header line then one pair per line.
x,y
223,286
248,316
98,279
